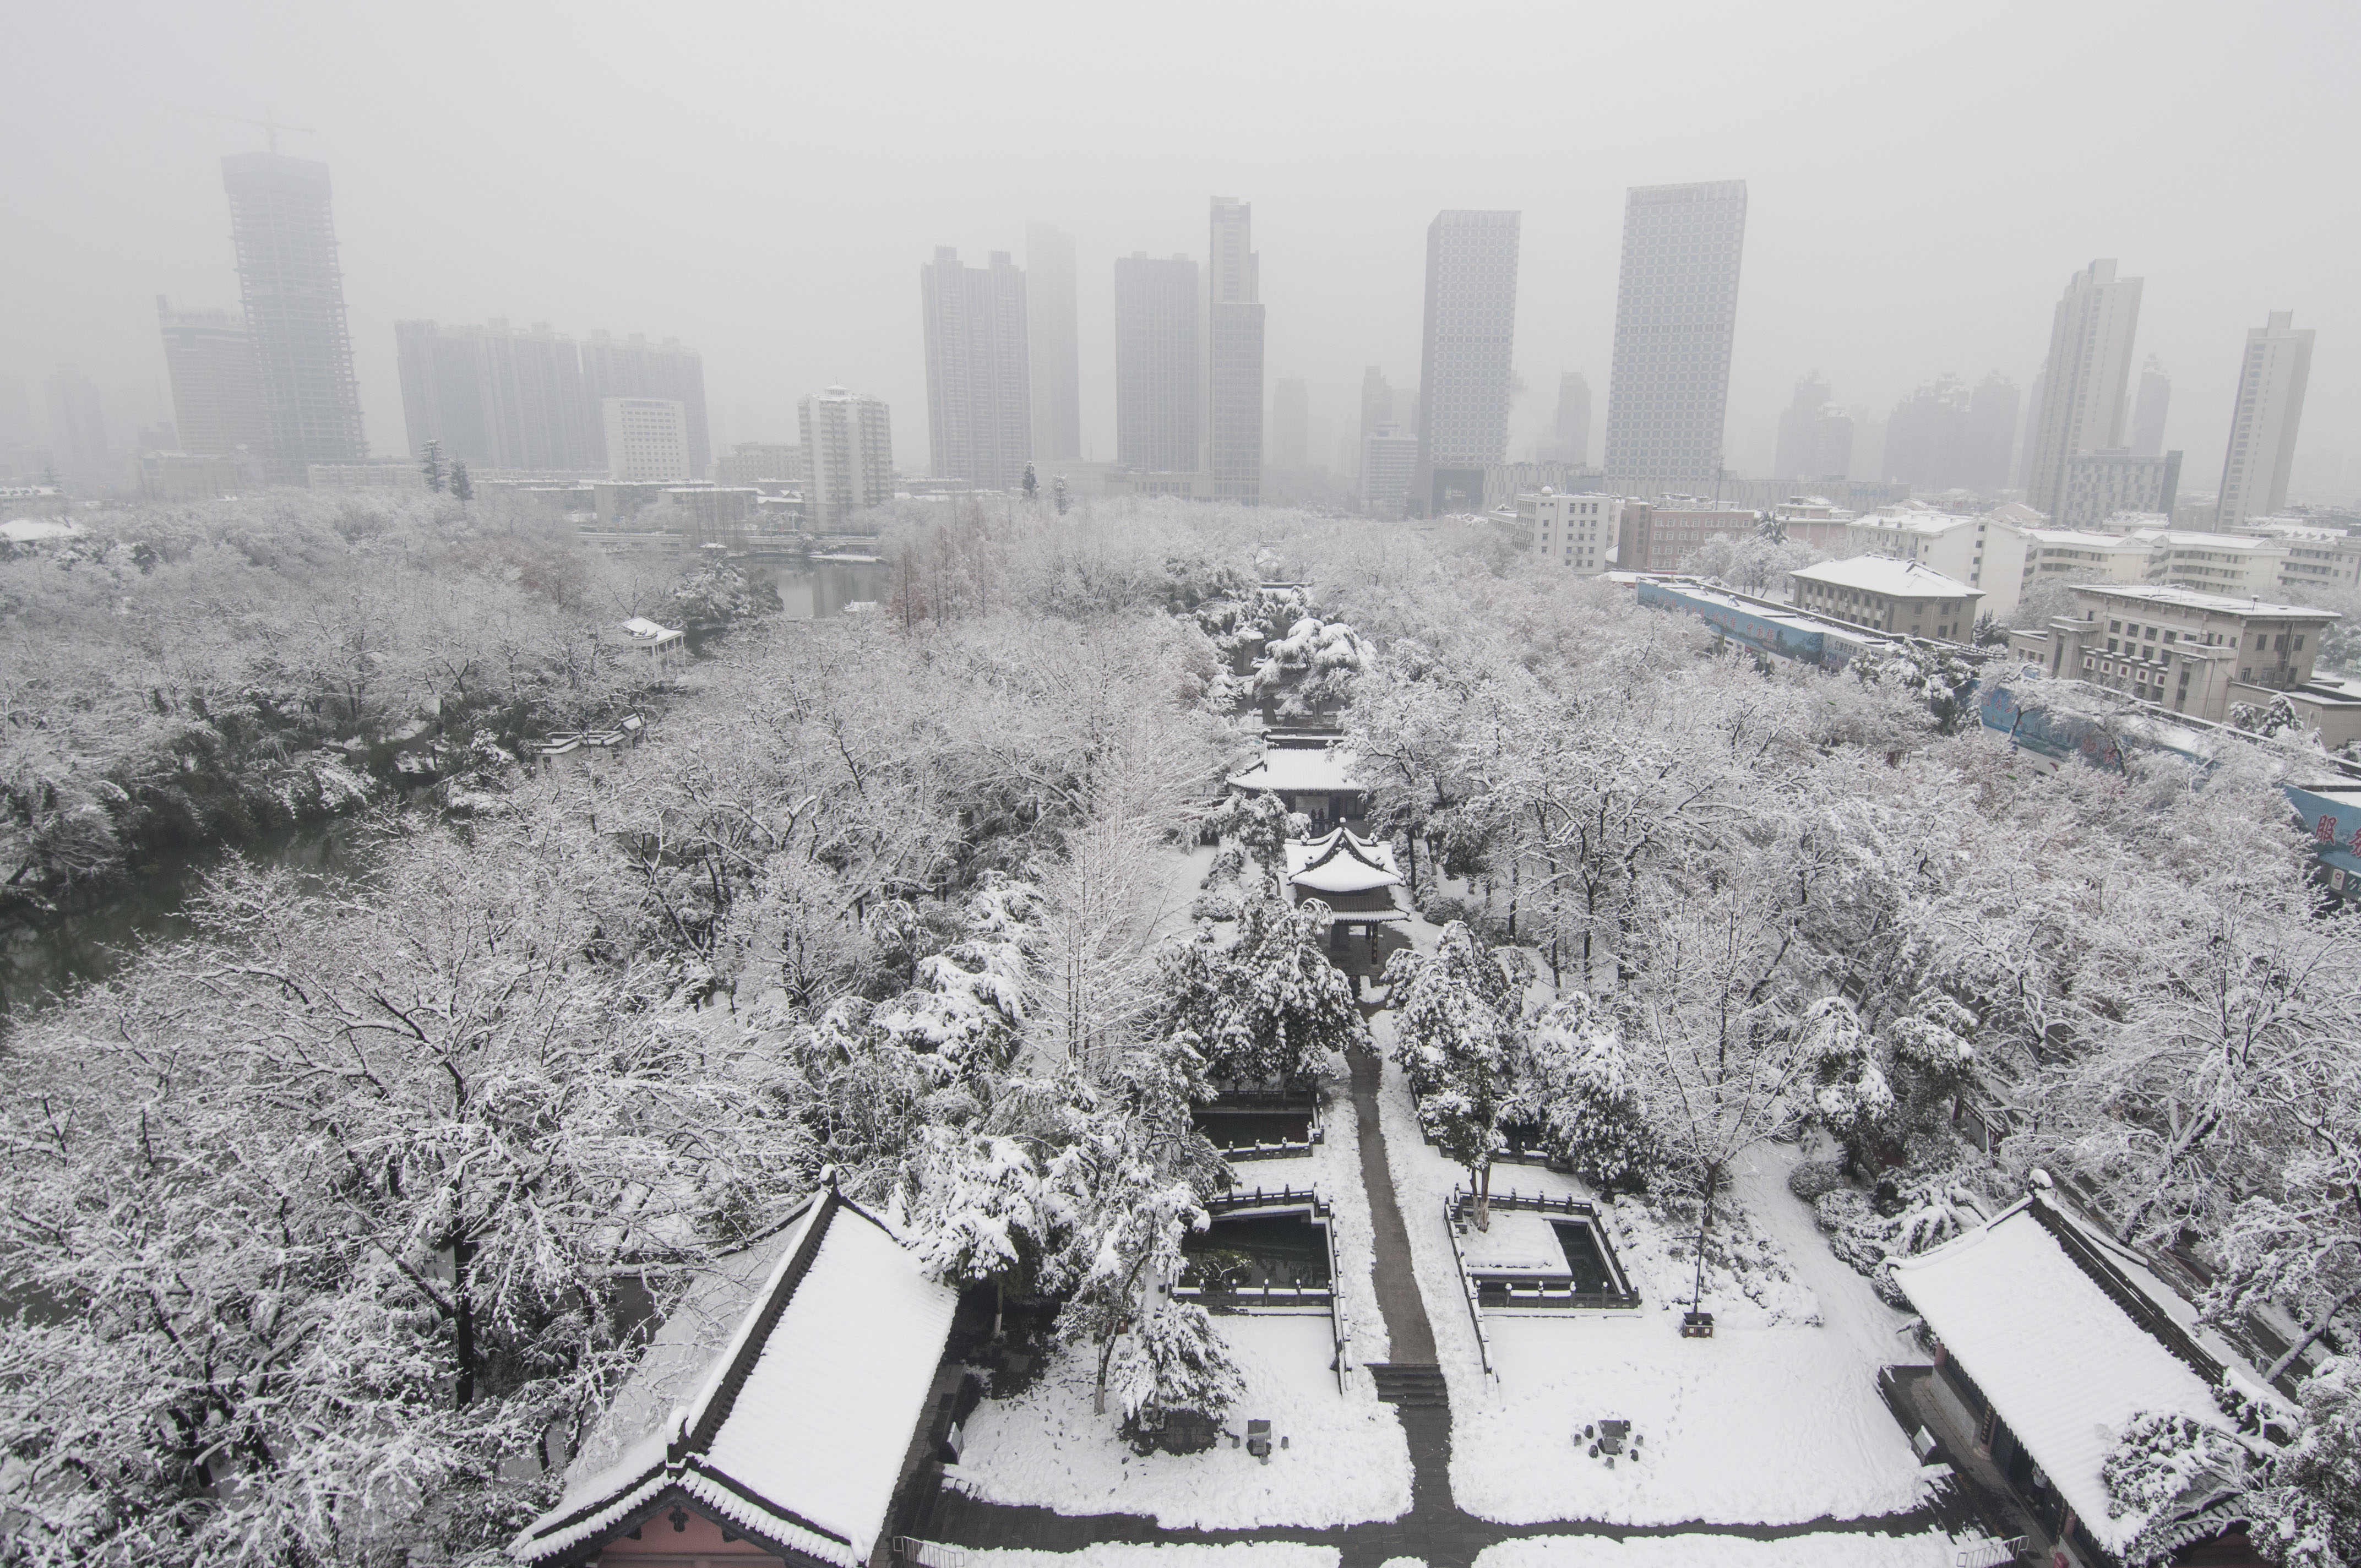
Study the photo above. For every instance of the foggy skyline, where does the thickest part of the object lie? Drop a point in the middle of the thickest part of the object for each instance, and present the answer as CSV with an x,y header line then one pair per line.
x,y
1921,190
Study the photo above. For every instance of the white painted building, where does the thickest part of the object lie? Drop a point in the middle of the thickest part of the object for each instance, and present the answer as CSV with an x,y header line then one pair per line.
x,y
2271,381
847,443
1985,551
1575,531
647,438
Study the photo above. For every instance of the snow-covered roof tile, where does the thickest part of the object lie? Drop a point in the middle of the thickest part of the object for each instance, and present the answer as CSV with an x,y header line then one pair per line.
x,y
2065,1366
1879,575
798,1426
1291,769
1341,861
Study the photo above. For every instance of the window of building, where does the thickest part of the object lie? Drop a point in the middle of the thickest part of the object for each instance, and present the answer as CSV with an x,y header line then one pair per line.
x,y
2299,643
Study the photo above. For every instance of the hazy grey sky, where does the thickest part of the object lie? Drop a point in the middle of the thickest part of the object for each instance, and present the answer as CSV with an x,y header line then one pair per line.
x,y
763,182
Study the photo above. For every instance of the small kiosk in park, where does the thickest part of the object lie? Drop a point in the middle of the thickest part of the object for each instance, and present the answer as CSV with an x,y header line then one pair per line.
x,y
1353,876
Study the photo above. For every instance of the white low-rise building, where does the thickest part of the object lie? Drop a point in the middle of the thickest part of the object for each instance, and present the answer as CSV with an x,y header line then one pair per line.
x,y
1900,599
1986,551
1575,531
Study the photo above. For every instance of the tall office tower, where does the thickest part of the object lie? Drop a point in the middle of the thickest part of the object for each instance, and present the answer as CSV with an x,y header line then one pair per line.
x,y
2108,484
1389,463
647,439
1234,322
498,397
1051,318
2032,428
1572,430
2089,365
2151,403
1928,440
1466,356
1992,433
294,299
635,367
1158,391
2271,381
979,395
209,360
1290,425
77,426
1676,312
1376,404
848,456
1807,440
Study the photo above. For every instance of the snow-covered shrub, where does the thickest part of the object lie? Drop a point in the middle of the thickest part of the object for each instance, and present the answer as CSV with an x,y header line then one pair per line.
x,y
1173,1363
1213,907
1578,1083
1865,1236
2165,1467
1849,1093
1814,1178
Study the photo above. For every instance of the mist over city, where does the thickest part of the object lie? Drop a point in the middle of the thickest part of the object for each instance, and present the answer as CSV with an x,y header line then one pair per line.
x,y
1342,787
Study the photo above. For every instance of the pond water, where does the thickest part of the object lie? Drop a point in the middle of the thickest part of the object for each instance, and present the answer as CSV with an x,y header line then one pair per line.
x,y
1583,1256
39,957
1259,1249
1245,1129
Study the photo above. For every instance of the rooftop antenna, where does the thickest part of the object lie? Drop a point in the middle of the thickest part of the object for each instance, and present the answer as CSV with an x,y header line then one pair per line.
x,y
268,124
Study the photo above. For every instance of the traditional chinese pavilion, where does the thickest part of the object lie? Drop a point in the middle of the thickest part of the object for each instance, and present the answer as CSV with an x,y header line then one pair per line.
x,y
1353,876
793,1440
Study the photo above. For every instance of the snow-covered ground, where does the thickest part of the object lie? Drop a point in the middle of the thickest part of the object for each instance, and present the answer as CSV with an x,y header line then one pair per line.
x,y
1346,1460
1776,1419
1124,1555
1832,1549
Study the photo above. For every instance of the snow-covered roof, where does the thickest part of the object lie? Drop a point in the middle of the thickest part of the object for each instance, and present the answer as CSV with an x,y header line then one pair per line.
x,y
1913,520
2065,1366
1880,574
26,530
1307,769
2244,544
1342,862
642,630
2058,536
2190,598
796,1430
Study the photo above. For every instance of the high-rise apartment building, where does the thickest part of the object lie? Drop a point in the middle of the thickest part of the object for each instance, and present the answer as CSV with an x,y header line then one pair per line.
x,y
77,424
2114,481
1290,425
1056,363
2150,404
647,439
1571,430
978,392
293,293
635,367
1234,342
2271,381
1389,465
497,397
1948,435
1675,315
848,456
1465,358
209,362
2083,382
1158,387
1815,435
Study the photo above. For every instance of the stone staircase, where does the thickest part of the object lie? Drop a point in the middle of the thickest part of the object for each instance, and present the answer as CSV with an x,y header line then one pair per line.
x,y
1410,1384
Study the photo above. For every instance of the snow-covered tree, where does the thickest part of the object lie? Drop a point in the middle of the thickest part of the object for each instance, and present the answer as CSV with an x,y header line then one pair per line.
x,y
2305,1511
1578,1083
1174,1361
1751,562
2172,1472
1267,1007
1851,1096
1456,1044
979,1212
1940,677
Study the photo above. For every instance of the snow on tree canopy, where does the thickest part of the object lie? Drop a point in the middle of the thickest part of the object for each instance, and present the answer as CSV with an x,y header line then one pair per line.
x,y
797,1435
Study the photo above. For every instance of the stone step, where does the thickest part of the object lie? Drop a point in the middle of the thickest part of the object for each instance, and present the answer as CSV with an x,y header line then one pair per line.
x,y
1410,1383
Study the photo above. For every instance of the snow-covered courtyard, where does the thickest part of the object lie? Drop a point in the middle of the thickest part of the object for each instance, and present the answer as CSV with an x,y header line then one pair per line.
x,y
1345,1460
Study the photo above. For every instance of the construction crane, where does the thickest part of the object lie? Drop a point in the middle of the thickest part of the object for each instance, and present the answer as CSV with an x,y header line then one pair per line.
x,y
268,124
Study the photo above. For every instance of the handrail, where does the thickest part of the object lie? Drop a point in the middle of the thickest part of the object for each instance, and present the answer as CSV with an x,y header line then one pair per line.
x,y
1467,1286
1262,1198
1541,1202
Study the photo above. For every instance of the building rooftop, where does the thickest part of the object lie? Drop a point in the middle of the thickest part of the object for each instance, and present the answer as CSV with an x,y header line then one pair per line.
x,y
1308,769
2190,598
1341,861
2058,536
1880,574
2063,1363
796,1428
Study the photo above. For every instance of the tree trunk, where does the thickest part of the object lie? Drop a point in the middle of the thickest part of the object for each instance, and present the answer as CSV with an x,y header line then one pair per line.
x,y
463,1304
2319,1327
1705,1225
1482,1183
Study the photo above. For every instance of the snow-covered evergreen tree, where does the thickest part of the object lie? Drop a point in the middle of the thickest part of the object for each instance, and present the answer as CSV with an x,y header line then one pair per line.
x,y
2306,1508
1851,1096
1269,1007
1578,1083
1456,1044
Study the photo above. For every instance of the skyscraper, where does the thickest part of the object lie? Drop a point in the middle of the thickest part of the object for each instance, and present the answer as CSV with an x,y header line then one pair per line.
x,y
635,367
1158,389
294,298
1992,433
1050,319
1234,322
1675,314
209,360
848,455
647,439
2271,381
498,397
1290,425
1815,435
2153,401
1572,428
77,426
978,392
1465,359
1376,407
2083,387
